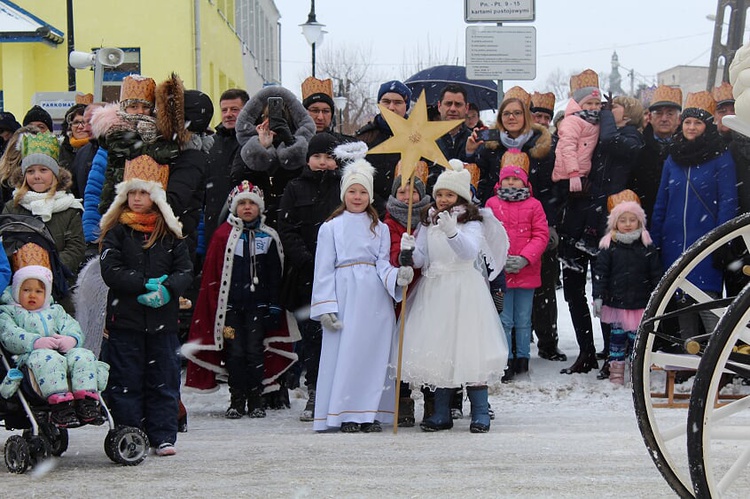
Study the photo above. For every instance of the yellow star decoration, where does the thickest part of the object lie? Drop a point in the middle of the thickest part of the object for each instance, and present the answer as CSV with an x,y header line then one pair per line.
x,y
414,138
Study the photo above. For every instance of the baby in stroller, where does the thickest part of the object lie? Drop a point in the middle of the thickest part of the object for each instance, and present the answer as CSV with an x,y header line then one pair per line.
x,y
48,341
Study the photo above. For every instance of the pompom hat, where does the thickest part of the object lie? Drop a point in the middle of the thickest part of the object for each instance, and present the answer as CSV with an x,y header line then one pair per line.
x,y
246,190
361,172
455,178
33,272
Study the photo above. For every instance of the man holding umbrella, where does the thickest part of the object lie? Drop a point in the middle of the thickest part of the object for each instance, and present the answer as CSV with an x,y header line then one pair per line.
x,y
395,96
452,105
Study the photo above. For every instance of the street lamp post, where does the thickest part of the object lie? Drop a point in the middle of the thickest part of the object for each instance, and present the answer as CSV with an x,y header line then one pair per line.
x,y
340,102
313,31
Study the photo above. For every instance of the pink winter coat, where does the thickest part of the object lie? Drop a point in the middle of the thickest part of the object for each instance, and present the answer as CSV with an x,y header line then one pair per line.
x,y
528,234
575,147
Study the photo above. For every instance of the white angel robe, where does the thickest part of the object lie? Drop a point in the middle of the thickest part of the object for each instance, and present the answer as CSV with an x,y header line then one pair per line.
x,y
452,332
355,280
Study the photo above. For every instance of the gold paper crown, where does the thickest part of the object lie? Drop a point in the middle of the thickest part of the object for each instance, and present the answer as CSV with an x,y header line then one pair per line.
x,y
544,101
474,170
137,87
665,95
84,98
701,100
144,167
518,93
312,85
30,254
723,93
519,159
588,78
421,171
622,196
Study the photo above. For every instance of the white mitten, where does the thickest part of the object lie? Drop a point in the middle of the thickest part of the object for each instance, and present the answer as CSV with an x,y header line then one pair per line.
x,y
405,276
598,307
448,223
331,322
408,242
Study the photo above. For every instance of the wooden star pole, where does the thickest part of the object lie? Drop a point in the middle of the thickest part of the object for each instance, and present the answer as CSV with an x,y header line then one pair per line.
x,y
413,138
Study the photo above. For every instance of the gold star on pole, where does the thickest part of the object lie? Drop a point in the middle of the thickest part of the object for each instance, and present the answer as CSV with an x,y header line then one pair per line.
x,y
414,138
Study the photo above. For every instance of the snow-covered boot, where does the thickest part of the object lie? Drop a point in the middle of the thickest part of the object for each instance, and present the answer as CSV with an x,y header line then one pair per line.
x,y
308,414
617,372
255,405
480,416
441,418
406,412
236,407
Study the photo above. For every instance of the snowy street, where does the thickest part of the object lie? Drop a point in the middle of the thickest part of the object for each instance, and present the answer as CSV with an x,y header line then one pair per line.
x,y
558,436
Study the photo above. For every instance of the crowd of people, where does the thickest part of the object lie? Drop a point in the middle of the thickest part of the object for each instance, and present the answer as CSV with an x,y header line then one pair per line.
x,y
280,252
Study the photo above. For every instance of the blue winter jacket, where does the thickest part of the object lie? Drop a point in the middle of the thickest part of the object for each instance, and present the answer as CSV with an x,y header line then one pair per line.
x,y
691,201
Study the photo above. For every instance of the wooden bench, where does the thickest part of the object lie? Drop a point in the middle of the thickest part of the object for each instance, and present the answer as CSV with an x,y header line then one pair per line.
x,y
682,400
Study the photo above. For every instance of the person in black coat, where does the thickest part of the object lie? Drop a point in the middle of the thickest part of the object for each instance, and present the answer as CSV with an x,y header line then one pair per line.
x,y
307,202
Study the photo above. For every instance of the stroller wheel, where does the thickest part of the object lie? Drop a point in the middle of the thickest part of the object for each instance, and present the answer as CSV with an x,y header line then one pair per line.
x,y
126,445
17,454
58,440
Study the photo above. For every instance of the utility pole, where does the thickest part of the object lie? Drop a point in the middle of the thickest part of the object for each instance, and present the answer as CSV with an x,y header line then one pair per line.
x,y
735,27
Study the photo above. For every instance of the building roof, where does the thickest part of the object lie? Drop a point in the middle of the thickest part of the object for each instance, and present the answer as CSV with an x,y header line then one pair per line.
x,y
20,25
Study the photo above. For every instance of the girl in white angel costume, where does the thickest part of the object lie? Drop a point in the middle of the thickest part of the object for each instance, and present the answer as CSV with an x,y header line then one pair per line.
x,y
353,292
452,334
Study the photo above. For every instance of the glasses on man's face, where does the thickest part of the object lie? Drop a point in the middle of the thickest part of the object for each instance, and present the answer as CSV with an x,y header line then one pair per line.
x,y
515,114
396,102
78,123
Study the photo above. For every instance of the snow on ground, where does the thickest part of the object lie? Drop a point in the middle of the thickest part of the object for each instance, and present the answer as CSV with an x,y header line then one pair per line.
x,y
556,436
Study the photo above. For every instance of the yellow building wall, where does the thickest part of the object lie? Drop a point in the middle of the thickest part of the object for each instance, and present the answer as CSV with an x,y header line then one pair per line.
x,y
163,30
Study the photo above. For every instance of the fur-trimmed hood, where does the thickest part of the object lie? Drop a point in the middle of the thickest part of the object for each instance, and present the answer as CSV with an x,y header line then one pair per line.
x,y
170,110
541,140
289,157
64,178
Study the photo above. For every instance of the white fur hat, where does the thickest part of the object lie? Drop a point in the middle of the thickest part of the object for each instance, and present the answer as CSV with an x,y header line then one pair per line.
x,y
360,172
33,272
456,178
246,190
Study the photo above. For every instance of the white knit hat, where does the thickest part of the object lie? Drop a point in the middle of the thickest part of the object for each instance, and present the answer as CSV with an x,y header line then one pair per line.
x,y
455,178
360,172
43,274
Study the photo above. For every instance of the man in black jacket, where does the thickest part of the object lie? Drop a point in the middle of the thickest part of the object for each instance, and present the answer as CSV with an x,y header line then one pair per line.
x,y
220,159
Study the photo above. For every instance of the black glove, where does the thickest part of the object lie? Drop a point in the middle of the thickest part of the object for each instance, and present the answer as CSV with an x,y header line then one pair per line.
x,y
607,104
498,298
406,258
281,128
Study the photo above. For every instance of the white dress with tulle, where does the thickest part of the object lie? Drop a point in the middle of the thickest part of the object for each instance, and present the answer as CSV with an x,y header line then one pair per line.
x,y
452,333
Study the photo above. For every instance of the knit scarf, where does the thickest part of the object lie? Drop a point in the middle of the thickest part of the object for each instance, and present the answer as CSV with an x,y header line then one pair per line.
x,y
142,222
143,124
43,205
703,148
589,116
513,193
627,237
517,143
400,210
78,143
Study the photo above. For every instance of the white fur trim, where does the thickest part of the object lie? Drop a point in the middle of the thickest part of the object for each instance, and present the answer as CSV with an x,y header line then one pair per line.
x,y
247,195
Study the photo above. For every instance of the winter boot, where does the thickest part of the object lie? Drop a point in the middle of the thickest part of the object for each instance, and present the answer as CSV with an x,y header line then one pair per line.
x,y
62,412
429,403
308,414
236,407
255,405
510,372
617,372
374,427
87,407
604,373
480,417
521,368
457,403
441,418
583,364
406,412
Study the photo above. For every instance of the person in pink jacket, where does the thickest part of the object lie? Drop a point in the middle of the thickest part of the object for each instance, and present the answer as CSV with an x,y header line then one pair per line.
x,y
528,233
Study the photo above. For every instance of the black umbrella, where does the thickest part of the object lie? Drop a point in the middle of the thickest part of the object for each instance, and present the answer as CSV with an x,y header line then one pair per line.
x,y
483,93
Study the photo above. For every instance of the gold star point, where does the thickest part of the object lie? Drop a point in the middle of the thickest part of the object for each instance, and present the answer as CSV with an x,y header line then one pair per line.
x,y
414,138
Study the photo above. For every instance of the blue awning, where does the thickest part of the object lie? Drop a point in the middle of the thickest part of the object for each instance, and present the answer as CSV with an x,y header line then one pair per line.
x,y
19,25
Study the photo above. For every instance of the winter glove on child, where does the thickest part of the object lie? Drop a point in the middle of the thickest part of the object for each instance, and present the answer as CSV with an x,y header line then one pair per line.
x,y
498,298
405,276
515,263
155,299
331,322
281,128
598,307
153,283
575,184
448,223
408,242
48,342
65,343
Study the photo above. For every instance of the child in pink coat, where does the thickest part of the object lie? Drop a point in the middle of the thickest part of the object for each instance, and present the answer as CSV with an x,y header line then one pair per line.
x,y
528,233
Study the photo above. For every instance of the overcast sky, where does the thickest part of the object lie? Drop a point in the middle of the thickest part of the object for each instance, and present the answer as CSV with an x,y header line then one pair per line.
x,y
648,35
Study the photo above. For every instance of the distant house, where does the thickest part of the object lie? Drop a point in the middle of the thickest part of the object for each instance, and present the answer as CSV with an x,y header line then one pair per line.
x,y
688,78
212,44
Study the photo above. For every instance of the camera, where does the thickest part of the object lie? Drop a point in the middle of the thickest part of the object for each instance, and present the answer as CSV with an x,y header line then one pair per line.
x,y
489,134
